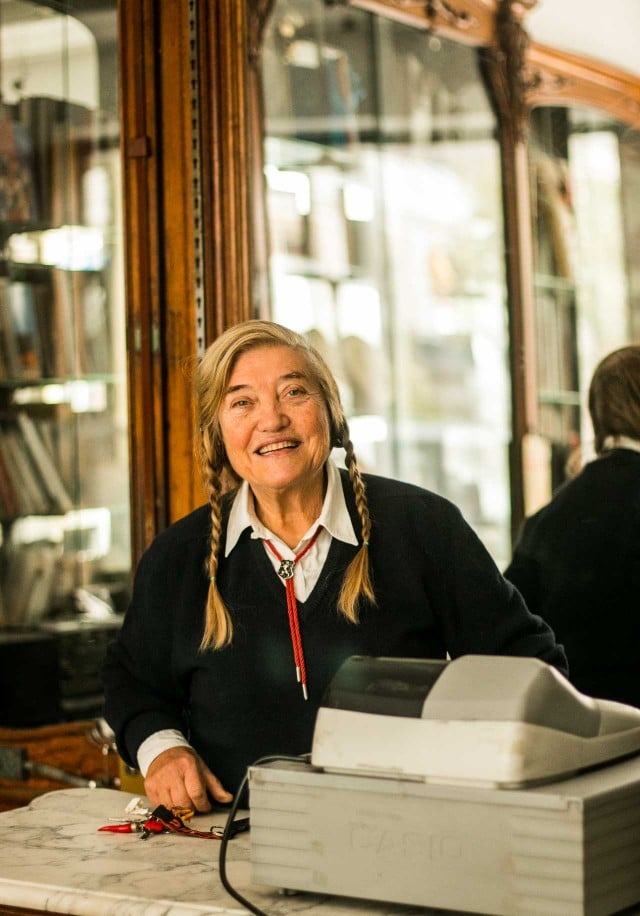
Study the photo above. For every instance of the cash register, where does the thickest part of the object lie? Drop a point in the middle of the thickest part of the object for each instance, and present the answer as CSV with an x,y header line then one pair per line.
x,y
484,784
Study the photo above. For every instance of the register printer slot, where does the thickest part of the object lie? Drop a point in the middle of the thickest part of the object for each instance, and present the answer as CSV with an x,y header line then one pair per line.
x,y
485,784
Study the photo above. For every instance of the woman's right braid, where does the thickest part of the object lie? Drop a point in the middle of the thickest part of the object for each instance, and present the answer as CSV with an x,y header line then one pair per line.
x,y
357,581
358,490
218,628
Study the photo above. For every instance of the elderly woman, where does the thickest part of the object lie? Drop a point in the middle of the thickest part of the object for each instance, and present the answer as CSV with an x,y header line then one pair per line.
x,y
577,561
243,611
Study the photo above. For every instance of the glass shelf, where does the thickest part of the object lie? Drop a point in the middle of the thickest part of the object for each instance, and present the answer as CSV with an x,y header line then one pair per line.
x,y
64,450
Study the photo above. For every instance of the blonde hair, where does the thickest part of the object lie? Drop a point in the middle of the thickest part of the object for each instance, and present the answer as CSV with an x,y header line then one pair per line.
x,y
614,396
211,379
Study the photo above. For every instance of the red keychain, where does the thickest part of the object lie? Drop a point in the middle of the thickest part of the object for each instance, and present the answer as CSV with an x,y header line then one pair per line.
x,y
173,820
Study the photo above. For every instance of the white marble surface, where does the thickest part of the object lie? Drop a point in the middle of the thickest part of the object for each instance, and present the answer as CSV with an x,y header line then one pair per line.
x,y
53,858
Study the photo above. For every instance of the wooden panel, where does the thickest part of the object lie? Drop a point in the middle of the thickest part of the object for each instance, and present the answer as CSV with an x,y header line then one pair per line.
x,y
555,78
177,201
503,65
140,142
157,139
78,748
227,155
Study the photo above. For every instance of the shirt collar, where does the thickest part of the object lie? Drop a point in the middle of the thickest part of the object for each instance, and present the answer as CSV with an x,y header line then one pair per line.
x,y
612,442
334,515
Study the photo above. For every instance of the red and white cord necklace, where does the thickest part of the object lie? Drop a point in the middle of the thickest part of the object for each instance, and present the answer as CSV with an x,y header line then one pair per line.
x,y
285,571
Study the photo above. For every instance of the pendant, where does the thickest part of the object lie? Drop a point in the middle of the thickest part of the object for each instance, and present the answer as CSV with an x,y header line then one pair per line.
x,y
285,570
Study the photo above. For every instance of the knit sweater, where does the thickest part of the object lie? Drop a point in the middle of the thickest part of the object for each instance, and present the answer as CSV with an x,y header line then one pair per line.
x,y
437,591
577,563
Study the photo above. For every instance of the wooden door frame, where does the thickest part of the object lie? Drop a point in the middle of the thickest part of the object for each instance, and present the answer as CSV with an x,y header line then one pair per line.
x,y
186,137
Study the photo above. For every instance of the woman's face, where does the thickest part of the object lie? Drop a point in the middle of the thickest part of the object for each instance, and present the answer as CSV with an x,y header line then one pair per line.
x,y
274,421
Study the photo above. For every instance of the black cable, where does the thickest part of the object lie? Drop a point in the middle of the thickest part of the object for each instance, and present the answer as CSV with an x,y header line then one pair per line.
x,y
228,831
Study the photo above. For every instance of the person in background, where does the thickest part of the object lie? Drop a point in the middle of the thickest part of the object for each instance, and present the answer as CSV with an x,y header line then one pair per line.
x,y
577,561
243,611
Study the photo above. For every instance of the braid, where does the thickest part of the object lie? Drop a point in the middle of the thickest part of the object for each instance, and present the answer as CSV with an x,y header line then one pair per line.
x,y
218,629
357,581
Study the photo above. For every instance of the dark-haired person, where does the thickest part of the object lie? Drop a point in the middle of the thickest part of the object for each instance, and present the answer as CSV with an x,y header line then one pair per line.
x,y
243,611
577,561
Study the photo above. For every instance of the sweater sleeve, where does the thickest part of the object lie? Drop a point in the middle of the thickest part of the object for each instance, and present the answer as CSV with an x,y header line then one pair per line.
x,y
141,695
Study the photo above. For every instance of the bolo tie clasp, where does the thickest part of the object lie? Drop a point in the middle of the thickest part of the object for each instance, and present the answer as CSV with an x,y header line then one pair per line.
x,y
285,570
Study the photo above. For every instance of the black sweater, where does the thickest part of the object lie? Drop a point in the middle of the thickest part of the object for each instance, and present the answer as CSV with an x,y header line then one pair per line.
x,y
437,590
577,564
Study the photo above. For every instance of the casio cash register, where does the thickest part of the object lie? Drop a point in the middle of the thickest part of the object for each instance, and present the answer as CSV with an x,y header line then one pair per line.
x,y
484,784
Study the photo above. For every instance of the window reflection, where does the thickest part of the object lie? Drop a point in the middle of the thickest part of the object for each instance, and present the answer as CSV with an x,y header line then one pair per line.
x,y
383,195
585,169
64,506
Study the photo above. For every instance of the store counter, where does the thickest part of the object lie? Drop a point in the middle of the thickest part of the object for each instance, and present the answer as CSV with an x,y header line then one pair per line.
x,y
54,860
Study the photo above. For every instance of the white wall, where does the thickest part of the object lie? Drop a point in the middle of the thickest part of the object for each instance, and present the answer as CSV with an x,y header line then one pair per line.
x,y
607,30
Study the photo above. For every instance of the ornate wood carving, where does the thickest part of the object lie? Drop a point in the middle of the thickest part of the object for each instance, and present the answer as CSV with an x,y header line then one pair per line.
x,y
504,64
558,78
467,21
440,11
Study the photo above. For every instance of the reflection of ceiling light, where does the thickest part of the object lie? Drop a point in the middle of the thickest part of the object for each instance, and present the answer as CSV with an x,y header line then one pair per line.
x,y
24,248
368,428
68,247
304,54
290,23
73,248
358,203
82,395
296,183
286,28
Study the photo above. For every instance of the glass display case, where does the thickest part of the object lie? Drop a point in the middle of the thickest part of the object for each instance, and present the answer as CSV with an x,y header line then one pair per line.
x,y
585,174
64,482
386,244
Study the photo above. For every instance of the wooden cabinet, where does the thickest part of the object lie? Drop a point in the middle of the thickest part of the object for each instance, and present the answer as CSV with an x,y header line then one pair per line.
x,y
53,757
65,547
194,150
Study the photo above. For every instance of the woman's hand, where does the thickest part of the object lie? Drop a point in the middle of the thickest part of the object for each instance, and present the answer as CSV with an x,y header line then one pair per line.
x,y
179,778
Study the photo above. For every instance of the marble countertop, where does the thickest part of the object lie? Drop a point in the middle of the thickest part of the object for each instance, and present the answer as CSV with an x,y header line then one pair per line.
x,y
52,858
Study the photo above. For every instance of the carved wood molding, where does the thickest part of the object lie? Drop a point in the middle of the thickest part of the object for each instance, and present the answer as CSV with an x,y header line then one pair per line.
x,y
559,78
505,68
443,13
467,21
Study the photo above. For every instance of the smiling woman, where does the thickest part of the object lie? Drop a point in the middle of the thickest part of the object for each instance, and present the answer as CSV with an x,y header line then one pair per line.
x,y
244,610
275,428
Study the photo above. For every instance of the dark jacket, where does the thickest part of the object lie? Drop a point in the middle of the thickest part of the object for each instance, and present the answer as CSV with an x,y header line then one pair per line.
x,y
437,590
577,563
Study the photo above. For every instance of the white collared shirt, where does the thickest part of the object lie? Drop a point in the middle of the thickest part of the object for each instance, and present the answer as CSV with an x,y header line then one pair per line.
x,y
335,521
612,442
